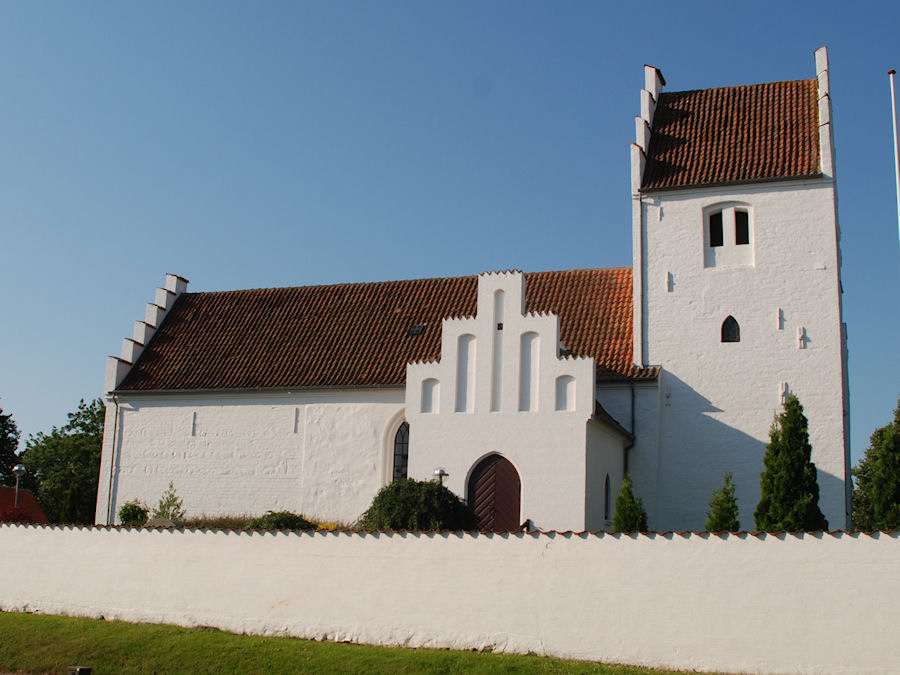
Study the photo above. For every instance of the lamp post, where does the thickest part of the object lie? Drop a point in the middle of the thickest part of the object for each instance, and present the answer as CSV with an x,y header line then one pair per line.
x,y
19,470
440,474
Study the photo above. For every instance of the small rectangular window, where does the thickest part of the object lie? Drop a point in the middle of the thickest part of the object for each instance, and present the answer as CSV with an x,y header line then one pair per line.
x,y
715,229
741,227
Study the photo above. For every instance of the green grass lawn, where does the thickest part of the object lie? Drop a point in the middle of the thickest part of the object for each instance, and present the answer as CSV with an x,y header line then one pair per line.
x,y
49,644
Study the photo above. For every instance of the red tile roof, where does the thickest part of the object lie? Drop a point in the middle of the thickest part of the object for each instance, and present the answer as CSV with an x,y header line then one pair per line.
x,y
353,335
27,504
734,135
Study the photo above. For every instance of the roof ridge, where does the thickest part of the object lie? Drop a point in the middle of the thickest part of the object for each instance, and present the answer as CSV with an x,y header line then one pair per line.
x,y
739,86
350,284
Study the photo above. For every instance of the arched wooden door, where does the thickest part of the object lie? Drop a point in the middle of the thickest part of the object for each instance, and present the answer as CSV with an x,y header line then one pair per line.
x,y
495,494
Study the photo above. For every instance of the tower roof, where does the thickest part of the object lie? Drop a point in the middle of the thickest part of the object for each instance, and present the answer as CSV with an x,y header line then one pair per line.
x,y
734,135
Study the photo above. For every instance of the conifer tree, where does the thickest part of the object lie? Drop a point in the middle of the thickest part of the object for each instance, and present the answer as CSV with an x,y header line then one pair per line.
x,y
876,495
723,509
630,515
789,491
170,506
9,444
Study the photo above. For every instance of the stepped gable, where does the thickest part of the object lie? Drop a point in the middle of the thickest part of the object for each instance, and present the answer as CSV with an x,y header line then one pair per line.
x,y
357,335
734,135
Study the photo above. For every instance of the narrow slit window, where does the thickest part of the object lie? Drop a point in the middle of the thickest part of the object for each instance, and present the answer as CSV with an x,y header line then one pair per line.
x,y
741,227
606,499
716,235
731,331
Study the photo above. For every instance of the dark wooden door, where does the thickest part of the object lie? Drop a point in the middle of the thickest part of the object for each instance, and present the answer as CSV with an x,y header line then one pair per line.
x,y
495,493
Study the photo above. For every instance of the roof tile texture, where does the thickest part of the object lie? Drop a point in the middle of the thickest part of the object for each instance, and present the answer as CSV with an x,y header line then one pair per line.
x,y
27,503
733,135
352,335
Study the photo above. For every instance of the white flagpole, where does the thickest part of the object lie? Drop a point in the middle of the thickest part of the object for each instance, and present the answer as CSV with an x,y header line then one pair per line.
x,y
896,148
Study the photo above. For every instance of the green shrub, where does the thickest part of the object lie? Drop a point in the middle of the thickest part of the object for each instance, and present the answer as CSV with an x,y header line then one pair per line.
x,y
217,522
170,506
133,513
408,504
280,520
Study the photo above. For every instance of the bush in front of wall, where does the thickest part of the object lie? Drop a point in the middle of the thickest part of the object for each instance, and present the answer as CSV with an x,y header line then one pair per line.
x,y
133,513
280,520
789,487
723,509
16,515
407,504
170,506
630,515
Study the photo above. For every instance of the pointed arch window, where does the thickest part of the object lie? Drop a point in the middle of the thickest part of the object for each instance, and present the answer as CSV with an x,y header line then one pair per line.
x,y
401,451
731,330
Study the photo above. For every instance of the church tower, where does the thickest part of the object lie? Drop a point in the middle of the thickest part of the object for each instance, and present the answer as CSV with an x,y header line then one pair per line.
x,y
737,291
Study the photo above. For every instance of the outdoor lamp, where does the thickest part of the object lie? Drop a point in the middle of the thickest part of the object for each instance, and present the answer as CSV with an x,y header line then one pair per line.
x,y
19,470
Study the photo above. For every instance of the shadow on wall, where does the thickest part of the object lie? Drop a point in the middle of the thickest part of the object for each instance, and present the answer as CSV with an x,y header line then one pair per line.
x,y
696,450
832,488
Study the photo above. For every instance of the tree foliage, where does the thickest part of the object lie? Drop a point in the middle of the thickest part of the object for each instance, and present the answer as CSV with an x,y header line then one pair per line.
x,y
723,509
629,515
9,444
876,495
63,466
408,504
789,490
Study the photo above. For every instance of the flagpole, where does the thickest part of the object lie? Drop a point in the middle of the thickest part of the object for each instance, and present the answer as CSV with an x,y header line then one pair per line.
x,y
896,147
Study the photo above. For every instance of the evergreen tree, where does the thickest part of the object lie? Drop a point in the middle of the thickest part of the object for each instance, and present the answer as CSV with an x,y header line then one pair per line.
x,y
9,444
170,506
630,515
876,495
789,491
723,509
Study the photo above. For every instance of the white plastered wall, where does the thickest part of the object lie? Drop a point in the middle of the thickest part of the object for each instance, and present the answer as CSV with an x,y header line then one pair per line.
x,y
694,603
636,406
604,458
320,453
718,400
547,446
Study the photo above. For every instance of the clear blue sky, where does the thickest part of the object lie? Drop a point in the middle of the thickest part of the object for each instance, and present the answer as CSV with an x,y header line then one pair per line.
x,y
247,145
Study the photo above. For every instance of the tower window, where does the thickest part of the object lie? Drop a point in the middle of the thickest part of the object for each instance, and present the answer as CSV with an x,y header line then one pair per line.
x,y
731,331
741,227
727,236
716,237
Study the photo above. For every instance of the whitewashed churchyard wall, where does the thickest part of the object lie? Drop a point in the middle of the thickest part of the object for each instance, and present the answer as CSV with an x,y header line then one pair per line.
x,y
740,603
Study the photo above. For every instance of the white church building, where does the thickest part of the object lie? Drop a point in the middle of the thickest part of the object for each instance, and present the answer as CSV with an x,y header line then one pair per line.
x,y
533,392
